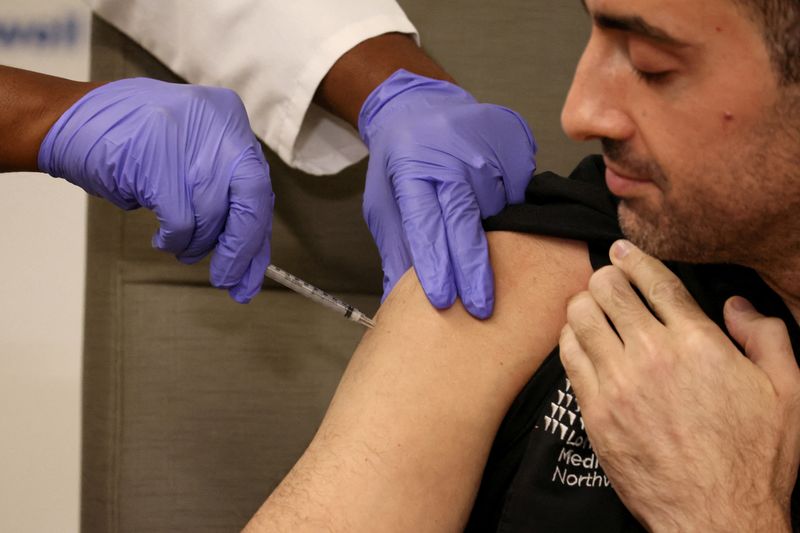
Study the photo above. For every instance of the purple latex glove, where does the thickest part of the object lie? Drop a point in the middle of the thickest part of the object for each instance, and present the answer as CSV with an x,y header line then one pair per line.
x,y
439,162
187,153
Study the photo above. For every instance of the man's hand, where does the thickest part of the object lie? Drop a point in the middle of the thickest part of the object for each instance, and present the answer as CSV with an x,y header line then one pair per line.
x,y
694,436
439,162
187,153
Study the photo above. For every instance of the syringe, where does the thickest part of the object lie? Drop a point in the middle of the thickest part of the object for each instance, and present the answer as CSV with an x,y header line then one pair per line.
x,y
318,295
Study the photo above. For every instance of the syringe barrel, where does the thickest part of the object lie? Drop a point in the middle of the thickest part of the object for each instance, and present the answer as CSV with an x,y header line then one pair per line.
x,y
308,290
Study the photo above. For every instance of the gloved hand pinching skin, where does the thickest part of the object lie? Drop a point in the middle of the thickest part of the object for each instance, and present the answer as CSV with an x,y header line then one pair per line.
x,y
185,152
439,163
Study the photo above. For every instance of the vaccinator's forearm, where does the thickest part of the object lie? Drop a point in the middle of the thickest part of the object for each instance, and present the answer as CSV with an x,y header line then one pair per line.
x,y
31,103
353,77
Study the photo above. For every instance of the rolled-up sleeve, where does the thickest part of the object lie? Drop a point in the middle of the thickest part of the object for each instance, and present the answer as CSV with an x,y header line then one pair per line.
x,y
273,53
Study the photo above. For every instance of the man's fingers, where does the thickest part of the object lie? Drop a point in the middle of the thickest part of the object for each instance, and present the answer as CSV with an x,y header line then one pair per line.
x,y
765,341
614,295
591,329
662,289
468,248
427,239
242,254
580,370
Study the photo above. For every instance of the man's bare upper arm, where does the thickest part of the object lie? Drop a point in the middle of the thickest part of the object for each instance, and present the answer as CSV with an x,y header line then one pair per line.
x,y
403,444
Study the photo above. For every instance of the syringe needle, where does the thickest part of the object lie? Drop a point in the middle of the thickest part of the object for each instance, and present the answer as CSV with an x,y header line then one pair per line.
x,y
366,321
318,295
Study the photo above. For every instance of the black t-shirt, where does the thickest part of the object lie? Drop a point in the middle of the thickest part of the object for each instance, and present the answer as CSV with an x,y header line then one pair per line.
x,y
542,474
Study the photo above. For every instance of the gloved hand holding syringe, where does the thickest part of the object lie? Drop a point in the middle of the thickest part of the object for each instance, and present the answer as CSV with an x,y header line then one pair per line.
x,y
318,295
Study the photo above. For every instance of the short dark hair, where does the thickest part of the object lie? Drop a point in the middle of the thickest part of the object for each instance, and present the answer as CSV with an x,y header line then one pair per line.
x,y
780,20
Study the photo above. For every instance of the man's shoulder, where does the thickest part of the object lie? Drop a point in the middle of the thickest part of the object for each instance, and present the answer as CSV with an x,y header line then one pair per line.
x,y
578,206
535,276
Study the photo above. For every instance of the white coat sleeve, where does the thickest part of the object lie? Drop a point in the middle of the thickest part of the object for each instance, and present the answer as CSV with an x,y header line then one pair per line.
x,y
274,53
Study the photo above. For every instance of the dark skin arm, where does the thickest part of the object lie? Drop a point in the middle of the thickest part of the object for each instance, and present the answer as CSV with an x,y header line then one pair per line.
x,y
31,104
356,74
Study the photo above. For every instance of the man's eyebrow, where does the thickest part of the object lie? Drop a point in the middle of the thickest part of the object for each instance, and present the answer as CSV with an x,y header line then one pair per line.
x,y
635,25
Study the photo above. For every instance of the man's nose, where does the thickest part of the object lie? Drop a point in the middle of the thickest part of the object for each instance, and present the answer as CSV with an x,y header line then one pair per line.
x,y
596,105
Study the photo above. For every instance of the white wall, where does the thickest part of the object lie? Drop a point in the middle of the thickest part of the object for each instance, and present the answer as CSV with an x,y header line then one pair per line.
x,y
42,268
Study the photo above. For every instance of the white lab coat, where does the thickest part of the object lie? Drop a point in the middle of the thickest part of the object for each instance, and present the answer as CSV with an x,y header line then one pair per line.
x,y
273,53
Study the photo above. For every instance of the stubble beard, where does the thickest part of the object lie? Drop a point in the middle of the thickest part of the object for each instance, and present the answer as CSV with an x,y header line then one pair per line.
x,y
671,236
664,231
739,209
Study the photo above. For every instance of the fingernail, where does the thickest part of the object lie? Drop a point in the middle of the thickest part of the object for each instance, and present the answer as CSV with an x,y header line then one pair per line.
x,y
621,248
740,304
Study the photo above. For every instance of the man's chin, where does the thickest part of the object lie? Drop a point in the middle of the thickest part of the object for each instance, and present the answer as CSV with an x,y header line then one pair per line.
x,y
666,237
648,233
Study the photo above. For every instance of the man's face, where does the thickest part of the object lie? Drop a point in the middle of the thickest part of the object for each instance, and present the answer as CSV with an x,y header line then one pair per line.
x,y
701,143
